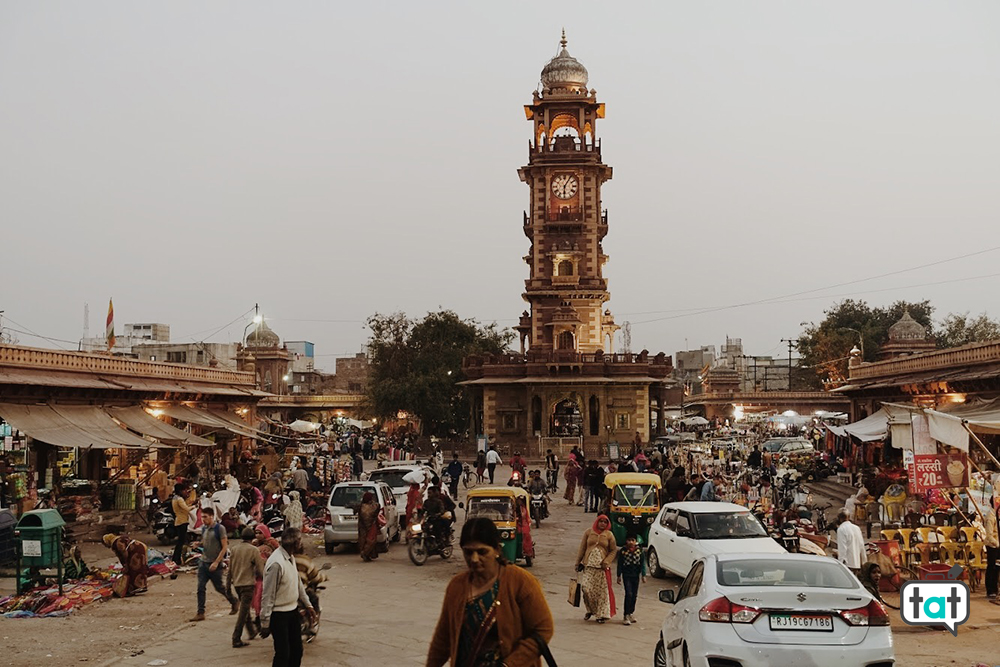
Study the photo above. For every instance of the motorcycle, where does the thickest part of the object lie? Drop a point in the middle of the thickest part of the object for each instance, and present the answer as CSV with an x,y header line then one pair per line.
x,y
312,578
274,520
423,542
163,523
539,508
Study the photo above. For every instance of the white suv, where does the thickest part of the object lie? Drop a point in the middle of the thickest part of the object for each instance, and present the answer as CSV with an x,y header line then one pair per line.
x,y
687,531
342,524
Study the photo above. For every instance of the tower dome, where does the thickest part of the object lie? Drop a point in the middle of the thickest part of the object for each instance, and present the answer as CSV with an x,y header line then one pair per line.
x,y
907,328
564,71
262,336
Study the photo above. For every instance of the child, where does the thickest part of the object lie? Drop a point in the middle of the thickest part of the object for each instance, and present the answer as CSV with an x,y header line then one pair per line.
x,y
631,568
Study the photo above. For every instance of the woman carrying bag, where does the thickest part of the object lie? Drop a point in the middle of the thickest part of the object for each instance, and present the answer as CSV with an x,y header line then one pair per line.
x,y
494,615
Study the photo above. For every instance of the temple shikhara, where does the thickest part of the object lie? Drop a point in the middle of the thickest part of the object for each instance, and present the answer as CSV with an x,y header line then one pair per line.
x,y
567,385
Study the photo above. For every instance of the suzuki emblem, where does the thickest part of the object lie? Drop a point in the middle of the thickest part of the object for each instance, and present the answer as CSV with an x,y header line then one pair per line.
x,y
801,597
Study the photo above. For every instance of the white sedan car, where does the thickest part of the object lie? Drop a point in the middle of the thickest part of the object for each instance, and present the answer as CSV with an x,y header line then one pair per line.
x,y
767,611
684,532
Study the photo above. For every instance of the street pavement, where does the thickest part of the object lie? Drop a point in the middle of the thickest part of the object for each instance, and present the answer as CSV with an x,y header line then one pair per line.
x,y
384,612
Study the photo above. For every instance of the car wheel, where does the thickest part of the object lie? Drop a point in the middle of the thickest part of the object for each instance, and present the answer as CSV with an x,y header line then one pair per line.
x,y
329,547
654,564
660,655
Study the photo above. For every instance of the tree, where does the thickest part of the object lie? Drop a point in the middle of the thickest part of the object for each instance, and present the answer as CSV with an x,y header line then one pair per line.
x,y
416,366
825,348
960,329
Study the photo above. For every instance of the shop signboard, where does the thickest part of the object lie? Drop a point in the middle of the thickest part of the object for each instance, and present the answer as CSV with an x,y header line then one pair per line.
x,y
940,471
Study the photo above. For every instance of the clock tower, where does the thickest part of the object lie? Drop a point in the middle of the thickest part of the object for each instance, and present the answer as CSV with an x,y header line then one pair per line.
x,y
566,387
565,222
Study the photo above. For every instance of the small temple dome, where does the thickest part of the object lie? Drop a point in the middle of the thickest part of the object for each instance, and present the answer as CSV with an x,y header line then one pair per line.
x,y
262,336
907,328
564,71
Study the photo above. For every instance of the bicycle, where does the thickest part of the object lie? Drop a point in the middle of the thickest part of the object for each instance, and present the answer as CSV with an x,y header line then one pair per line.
x,y
469,477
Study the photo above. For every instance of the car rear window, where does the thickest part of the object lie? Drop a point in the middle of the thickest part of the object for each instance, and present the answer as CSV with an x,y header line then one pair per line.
x,y
350,496
782,572
393,478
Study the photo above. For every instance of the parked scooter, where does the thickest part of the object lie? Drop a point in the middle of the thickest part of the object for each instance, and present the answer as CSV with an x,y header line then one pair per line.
x,y
163,523
274,520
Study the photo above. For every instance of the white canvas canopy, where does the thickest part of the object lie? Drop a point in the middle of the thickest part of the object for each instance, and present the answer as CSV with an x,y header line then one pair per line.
x,y
871,428
302,426
695,421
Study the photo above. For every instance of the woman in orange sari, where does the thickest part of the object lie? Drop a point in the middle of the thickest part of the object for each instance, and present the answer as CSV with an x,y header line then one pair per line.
x,y
524,528
133,555
368,527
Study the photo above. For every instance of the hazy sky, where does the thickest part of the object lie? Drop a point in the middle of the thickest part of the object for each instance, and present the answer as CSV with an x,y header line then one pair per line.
x,y
329,160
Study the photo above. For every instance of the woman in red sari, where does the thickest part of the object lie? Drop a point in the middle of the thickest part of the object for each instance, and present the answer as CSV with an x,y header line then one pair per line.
x,y
134,558
524,529
368,526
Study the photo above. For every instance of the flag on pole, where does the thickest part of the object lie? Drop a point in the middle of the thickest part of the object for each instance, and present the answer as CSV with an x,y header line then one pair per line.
x,y
110,332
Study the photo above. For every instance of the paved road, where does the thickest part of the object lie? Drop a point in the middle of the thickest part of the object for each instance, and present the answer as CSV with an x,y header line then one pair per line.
x,y
384,613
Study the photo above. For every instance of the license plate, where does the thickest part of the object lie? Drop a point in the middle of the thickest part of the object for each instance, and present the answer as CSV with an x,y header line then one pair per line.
x,y
350,517
801,622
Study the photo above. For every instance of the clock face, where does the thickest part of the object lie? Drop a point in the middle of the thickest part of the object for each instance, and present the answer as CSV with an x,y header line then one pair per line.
x,y
564,186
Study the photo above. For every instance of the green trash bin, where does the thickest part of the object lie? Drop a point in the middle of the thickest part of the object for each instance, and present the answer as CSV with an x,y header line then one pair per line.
x,y
38,536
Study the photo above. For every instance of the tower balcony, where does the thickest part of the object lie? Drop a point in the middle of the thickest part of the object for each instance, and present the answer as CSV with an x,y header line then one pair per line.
x,y
547,363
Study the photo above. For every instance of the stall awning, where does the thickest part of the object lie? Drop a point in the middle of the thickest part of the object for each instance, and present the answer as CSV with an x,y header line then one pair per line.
x,y
94,419
137,419
43,423
869,429
203,418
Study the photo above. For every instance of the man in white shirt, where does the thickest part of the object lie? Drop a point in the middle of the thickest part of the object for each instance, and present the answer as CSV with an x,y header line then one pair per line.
x,y
282,593
492,461
850,543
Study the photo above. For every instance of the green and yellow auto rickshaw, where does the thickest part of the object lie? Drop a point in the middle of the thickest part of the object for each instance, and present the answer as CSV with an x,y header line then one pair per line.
x,y
500,505
633,503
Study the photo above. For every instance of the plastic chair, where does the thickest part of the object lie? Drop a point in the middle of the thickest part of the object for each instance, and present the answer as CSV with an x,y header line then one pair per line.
x,y
948,533
968,534
927,546
953,553
905,539
976,558
889,534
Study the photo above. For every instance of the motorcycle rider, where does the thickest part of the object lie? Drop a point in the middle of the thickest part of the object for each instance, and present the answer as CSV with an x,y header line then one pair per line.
x,y
552,470
435,508
537,486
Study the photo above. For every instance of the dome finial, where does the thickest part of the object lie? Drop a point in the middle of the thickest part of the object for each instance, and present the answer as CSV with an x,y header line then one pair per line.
x,y
562,42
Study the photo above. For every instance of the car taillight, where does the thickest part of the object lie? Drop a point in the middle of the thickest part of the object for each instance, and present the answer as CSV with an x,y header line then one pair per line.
x,y
329,518
874,615
721,610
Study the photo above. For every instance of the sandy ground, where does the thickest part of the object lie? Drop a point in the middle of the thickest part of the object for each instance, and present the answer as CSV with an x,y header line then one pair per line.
x,y
384,613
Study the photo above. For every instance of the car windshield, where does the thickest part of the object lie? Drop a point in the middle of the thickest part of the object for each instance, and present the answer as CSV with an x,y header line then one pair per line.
x,y
784,572
393,478
635,495
494,509
349,496
727,526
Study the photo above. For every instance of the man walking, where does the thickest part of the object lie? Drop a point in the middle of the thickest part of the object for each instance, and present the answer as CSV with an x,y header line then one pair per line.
x,y
552,470
245,565
454,471
850,543
214,543
182,515
492,461
282,593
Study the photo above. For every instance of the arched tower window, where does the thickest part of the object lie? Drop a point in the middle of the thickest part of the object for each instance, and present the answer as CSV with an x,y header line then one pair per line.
x,y
567,341
565,268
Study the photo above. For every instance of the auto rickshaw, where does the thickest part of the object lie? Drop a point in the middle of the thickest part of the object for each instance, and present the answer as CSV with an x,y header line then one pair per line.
x,y
633,503
499,505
